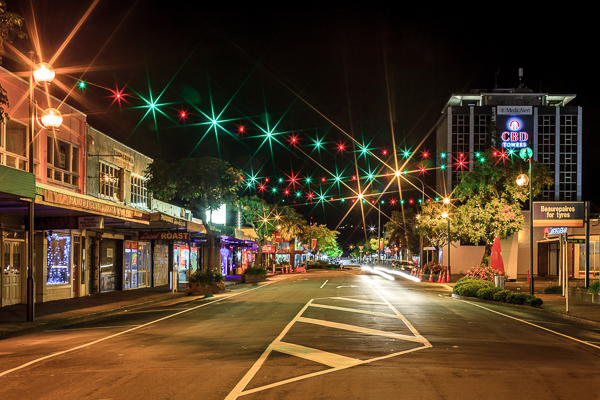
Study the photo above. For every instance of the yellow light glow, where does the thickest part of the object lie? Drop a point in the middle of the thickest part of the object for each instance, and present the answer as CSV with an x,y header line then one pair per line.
x,y
44,73
51,118
446,200
444,215
522,180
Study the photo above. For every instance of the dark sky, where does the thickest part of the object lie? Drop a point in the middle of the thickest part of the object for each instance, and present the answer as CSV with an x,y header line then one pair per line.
x,y
304,70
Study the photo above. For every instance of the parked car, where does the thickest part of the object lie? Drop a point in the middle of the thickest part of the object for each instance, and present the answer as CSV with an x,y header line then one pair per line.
x,y
403,265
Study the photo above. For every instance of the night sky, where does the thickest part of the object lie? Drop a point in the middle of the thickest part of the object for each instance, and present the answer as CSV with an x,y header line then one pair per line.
x,y
304,71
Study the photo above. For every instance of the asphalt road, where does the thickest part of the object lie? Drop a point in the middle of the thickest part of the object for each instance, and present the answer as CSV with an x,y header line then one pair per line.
x,y
321,335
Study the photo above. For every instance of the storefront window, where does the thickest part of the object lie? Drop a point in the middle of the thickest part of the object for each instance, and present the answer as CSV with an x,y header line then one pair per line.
x,y
193,260
594,258
59,252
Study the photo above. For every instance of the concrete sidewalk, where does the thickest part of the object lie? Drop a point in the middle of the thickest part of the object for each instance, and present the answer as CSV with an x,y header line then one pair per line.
x,y
52,314
13,319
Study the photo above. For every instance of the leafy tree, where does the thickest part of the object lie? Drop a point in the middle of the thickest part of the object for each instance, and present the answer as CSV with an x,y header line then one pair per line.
x,y
492,200
326,238
399,230
10,27
204,184
292,226
262,217
434,227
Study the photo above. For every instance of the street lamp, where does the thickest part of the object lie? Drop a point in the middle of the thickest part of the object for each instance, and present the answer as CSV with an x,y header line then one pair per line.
x,y
523,180
43,73
445,215
418,216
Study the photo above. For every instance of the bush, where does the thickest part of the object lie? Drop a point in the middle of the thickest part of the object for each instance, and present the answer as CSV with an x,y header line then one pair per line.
x,y
516,298
533,301
485,272
594,287
487,293
553,289
206,278
432,268
252,271
470,286
501,295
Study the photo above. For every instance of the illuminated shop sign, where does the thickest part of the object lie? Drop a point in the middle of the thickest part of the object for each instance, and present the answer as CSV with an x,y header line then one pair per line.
x,y
555,231
515,137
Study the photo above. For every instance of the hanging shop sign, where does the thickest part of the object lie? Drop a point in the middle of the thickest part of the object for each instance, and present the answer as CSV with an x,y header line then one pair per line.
x,y
164,235
94,222
558,214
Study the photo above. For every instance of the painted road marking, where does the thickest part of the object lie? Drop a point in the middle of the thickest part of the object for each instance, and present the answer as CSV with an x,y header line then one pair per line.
x,y
351,286
529,323
337,362
324,284
359,329
355,310
323,357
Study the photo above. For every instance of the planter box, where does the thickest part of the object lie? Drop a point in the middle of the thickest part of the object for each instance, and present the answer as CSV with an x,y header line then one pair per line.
x,y
196,289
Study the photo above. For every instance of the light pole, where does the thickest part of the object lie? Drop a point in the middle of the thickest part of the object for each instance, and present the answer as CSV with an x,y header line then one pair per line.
x,y
379,234
43,73
523,180
418,215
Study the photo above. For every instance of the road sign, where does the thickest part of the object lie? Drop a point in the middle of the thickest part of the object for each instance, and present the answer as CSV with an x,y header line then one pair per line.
x,y
580,241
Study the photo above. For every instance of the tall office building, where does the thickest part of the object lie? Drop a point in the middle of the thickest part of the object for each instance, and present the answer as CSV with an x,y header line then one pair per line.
x,y
544,122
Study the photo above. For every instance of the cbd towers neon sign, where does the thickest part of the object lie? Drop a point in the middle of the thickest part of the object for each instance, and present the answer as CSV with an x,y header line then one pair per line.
x,y
515,137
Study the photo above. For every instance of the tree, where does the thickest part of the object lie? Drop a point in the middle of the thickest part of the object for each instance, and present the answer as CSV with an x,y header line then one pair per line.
x,y
434,227
399,230
262,217
292,225
326,238
10,27
492,200
204,184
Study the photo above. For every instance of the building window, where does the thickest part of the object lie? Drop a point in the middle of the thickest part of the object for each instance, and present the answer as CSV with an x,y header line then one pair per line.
x,y
110,184
59,252
13,145
62,162
568,158
139,194
480,132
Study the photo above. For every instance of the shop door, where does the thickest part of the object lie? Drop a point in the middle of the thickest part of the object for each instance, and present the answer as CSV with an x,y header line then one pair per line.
x,y
143,253
543,252
553,255
77,274
11,272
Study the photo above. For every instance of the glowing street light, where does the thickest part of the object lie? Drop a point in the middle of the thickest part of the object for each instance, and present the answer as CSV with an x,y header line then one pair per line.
x,y
51,118
44,73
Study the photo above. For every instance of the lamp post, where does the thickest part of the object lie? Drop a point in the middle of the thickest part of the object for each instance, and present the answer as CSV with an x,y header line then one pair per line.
x,y
523,180
418,216
447,217
43,73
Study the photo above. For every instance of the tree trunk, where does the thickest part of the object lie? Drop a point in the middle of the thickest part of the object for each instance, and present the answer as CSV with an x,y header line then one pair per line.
x,y
292,253
259,253
487,254
211,247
